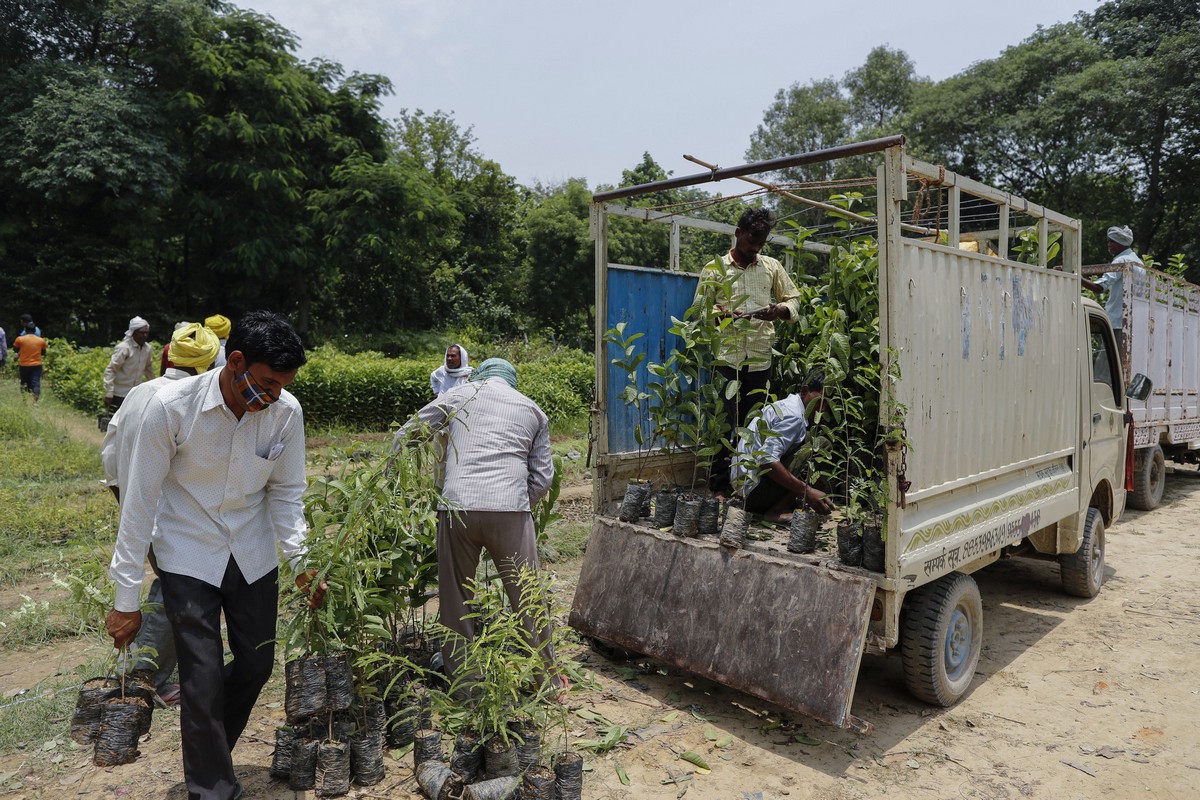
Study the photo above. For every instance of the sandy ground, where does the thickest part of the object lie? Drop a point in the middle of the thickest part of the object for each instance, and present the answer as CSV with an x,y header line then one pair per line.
x,y
1072,699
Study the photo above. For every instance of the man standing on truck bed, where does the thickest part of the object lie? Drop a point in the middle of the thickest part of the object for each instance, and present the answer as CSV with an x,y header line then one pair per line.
x,y
1120,244
759,292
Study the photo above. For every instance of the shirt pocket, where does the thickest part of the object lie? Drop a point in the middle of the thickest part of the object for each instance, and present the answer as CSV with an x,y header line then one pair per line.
x,y
251,475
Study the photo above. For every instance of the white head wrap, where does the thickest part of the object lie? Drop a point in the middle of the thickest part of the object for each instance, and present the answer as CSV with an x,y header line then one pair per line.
x,y
136,324
1121,234
463,367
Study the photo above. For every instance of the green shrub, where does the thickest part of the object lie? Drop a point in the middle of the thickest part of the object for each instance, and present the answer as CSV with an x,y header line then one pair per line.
x,y
364,390
77,376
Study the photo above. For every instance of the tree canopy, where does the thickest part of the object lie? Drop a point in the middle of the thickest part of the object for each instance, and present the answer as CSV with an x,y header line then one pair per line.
x,y
174,158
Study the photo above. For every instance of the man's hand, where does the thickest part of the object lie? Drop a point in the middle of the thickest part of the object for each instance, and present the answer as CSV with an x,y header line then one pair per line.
x,y
775,311
108,403
122,626
817,500
315,595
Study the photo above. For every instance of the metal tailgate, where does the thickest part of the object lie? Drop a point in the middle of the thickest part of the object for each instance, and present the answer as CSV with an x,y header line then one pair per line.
x,y
788,632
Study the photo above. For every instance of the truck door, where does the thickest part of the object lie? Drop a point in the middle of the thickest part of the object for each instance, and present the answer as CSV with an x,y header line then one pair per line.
x,y
1106,444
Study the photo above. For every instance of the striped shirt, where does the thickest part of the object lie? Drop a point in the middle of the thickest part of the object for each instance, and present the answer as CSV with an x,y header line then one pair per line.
x,y
748,342
497,453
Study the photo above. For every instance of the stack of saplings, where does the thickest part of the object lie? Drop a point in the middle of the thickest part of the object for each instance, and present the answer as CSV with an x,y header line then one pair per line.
x,y
333,733
498,703
682,408
111,714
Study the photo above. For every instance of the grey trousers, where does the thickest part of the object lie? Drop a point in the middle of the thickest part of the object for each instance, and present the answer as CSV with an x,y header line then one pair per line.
x,y
156,634
511,541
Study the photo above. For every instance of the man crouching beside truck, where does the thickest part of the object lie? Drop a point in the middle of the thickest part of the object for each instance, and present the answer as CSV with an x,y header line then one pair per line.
x,y
760,465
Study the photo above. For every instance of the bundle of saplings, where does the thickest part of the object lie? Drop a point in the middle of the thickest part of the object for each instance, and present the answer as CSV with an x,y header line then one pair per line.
x,y
502,698
354,671
112,713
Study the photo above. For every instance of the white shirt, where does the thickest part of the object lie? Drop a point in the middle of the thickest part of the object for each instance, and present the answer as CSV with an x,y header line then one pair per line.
x,y
497,456
1115,284
214,485
128,367
123,427
441,382
785,418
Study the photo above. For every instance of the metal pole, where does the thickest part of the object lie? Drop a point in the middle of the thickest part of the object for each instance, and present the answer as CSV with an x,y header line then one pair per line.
x,y
815,157
790,195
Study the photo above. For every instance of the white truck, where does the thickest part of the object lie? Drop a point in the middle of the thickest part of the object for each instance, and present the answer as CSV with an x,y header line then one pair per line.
x,y
1017,431
1161,324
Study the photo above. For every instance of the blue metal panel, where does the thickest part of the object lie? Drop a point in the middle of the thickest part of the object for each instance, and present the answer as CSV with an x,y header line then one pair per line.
x,y
644,299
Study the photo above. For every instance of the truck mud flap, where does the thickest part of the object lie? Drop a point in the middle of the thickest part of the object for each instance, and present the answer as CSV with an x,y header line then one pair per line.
x,y
785,631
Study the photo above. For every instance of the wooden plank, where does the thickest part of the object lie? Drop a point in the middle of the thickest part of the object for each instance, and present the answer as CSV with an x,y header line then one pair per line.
x,y
788,632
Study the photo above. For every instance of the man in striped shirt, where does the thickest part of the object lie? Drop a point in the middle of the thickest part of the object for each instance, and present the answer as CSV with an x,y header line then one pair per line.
x,y
497,467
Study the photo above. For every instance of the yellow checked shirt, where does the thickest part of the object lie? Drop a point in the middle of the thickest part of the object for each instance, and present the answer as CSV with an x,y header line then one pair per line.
x,y
749,341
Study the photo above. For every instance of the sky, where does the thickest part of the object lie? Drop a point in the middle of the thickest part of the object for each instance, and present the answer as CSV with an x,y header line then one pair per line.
x,y
559,89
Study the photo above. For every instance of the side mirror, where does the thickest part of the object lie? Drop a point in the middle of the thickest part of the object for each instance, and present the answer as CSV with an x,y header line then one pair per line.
x,y
1139,388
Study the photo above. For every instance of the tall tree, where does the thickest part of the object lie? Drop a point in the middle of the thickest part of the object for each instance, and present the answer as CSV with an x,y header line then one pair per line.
x,y
562,275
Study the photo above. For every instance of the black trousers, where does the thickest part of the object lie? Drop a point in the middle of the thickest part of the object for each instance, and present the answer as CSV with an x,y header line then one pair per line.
x,y
215,698
752,390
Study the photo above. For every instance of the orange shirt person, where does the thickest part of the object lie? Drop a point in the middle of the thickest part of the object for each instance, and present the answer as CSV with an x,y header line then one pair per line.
x,y
30,348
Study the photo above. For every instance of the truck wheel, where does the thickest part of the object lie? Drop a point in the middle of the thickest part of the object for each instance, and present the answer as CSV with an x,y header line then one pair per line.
x,y
1149,476
1083,571
942,632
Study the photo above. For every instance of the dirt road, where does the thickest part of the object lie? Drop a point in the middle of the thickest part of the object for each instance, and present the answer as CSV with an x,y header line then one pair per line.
x,y
1073,699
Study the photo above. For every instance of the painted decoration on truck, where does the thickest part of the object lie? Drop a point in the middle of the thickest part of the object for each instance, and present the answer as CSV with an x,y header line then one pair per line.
x,y
962,522
1005,533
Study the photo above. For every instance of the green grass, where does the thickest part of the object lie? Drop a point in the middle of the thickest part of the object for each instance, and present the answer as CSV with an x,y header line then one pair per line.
x,y
569,538
42,715
52,504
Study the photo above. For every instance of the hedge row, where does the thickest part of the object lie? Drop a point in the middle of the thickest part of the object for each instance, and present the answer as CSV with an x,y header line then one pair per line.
x,y
364,391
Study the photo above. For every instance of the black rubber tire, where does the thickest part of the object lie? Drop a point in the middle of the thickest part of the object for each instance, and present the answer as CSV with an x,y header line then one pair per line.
x,y
1083,571
942,632
1149,478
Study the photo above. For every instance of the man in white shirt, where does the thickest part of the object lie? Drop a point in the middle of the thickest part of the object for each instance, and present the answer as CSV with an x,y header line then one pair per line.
x,y
760,466
129,365
1120,245
216,477
193,348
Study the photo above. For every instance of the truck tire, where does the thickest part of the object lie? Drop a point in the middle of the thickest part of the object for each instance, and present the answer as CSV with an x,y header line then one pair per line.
x,y
1082,572
942,633
1149,477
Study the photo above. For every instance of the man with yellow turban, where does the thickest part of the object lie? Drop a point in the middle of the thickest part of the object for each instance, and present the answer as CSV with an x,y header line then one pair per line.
x,y
193,348
219,325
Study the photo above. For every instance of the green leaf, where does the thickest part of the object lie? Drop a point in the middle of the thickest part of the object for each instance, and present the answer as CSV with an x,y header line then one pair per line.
x,y
622,775
694,758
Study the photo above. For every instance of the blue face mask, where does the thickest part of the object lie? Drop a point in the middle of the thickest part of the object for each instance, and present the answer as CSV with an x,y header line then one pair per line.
x,y
255,395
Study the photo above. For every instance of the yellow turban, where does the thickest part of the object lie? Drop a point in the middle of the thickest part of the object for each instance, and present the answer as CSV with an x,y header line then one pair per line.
x,y
219,325
195,346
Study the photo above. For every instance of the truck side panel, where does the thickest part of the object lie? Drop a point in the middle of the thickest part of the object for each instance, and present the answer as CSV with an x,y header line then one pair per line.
x,y
989,384
1162,340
